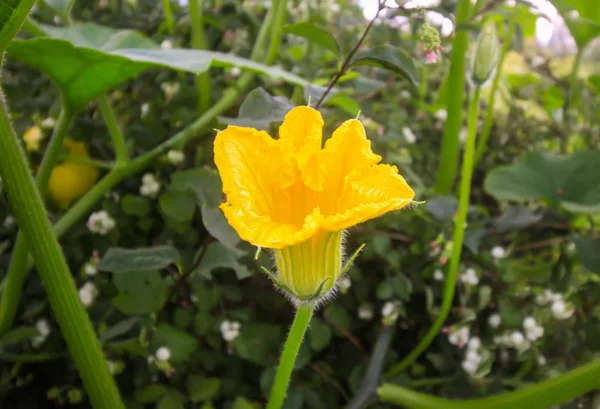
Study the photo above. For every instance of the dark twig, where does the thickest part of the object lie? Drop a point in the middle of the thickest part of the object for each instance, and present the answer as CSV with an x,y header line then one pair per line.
x,y
348,59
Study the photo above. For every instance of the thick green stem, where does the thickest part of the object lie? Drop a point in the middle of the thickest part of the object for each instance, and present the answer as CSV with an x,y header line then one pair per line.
x,y
288,357
54,272
199,42
168,16
14,14
114,130
456,84
457,240
14,278
541,396
489,114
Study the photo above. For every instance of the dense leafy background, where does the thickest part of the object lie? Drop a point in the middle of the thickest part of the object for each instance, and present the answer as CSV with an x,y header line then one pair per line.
x,y
535,194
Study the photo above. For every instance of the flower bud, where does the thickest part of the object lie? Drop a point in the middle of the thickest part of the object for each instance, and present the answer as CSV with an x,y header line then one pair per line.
x,y
485,55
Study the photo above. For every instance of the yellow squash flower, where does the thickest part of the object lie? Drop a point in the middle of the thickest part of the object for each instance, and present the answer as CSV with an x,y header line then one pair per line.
x,y
293,196
32,138
69,181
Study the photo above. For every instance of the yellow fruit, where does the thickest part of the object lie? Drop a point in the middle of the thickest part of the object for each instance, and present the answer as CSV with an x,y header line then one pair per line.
x,y
69,181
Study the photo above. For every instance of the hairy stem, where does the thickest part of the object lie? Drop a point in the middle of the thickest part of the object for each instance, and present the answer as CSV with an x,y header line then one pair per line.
x,y
457,241
288,357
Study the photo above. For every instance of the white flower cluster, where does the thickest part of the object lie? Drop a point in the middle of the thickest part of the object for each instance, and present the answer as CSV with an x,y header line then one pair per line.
x,y
9,222
90,269
163,354
344,284
176,157
459,336
44,331
150,186
170,89
48,123
472,356
144,109
230,330
365,312
441,115
166,44
498,252
390,312
470,277
409,135
533,331
494,320
88,293
561,310
514,339
100,222
438,275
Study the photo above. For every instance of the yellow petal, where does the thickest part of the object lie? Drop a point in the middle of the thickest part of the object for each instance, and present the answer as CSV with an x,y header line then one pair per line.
x,y
264,232
253,169
367,194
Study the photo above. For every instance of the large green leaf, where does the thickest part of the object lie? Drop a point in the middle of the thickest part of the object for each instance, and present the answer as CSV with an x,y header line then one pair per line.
x,y
570,182
588,250
141,292
88,60
391,58
584,27
119,260
315,34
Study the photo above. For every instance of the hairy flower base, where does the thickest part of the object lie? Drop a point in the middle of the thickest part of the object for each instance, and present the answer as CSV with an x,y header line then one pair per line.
x,y
309,271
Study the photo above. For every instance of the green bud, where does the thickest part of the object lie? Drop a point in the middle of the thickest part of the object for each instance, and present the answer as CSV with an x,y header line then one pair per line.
x,y
485,55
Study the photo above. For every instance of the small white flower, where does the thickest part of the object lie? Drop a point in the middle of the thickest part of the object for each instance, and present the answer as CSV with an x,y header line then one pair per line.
x,y
474,344
9,222
236,71
541,360
517,338
144,109
171,89
535,333
547,297
470,277
100,222
529,323
48,123
166,45
409,135
90,269
365,312
176,157
230,330
150,186
44,330
498,252
463,135
562,311
438,275
473,356
345,283
163,354
88,293
494,320
460,336
404,94
390,311
441,114
470,367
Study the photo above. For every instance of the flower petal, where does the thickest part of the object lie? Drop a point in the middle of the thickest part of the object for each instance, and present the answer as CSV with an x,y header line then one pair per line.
x,y
253,169
367,194
264,232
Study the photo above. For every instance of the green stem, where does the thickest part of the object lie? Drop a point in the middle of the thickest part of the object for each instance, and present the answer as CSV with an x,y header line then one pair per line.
x,y
14,279
114,130
199,42
101,164
288,357
489,114
457,241
540,396
168,16
456,84
14,13
54,272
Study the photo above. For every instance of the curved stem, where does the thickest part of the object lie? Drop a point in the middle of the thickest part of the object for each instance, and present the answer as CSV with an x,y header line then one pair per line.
x,y
54,272
540,396
457,240
456,84
14,278
288,357
489,114
114,130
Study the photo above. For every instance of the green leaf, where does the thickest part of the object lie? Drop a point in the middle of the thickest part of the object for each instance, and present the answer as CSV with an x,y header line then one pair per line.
x,y
141,292
258,342
570,182
314,34
118,260
391,58
119,329
516,217
217,256
260,109
217,225
150,393
18,335
344,102
200,388
88,60
205,183
135,205
241,403
319,334
586,26
338,316
181,344
61,6
588,250
171,401
178,205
